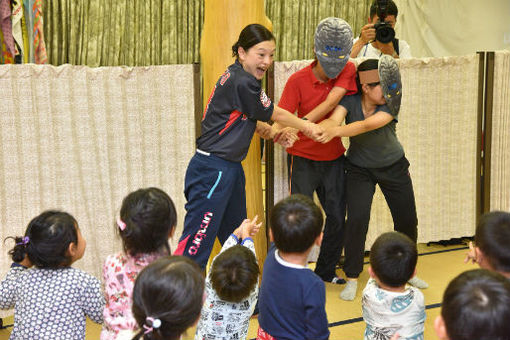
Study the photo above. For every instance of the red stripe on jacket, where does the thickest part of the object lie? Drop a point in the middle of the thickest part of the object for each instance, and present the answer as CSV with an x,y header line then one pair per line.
x,y
233,116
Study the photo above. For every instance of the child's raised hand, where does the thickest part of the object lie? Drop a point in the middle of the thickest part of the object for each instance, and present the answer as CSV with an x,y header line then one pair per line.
x,y
250,228
238,230
471,254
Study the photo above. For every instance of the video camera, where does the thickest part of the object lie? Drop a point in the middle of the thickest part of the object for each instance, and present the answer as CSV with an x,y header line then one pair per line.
x,y
383,31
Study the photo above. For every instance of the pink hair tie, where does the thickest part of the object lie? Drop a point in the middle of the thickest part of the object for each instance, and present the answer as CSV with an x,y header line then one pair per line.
x,y
154,324
121,224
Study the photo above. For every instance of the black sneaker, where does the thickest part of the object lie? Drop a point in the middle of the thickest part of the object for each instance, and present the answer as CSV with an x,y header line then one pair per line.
x,y
335,280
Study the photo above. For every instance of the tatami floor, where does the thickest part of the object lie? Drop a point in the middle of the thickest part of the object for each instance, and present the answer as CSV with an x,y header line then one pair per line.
x,y
437,265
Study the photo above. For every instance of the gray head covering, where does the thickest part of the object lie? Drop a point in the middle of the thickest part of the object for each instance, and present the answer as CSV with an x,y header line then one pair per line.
x,y
391,84
333,44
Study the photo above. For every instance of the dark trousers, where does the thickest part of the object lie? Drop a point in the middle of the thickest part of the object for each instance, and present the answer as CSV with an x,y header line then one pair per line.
x,y
216,205
328,180
397,187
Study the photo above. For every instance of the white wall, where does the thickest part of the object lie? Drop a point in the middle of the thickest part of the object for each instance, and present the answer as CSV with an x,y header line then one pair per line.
x,y
436,28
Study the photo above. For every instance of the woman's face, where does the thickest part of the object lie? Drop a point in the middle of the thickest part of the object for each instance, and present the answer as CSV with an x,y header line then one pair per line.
x,y
258,58
374,94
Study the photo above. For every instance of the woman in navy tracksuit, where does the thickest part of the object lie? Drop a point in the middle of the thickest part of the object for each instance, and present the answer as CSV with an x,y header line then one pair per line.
x,y
237,107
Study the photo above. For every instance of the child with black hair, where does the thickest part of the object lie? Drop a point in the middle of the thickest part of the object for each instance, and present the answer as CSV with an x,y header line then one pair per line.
x,y
231,287
491,248
292,297
167,299
147,220
476,305
389,306
52,299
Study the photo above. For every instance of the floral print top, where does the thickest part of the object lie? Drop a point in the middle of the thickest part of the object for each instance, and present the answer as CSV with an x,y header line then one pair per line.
x,y
119,274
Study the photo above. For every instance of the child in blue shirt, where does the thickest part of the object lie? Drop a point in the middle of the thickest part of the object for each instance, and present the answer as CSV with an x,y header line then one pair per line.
x,y
292,297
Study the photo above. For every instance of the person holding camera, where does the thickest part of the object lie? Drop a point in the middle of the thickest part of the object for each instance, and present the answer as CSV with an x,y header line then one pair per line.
x,y
378,36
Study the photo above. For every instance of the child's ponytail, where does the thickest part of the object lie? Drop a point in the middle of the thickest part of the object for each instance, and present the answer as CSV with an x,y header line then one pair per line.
x,y
19,251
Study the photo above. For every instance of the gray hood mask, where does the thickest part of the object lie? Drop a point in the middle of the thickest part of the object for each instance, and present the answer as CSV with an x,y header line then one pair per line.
x,y
332,45
391,84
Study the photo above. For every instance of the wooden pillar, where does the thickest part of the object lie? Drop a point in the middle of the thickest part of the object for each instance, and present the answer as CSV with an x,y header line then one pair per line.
x,y
223,21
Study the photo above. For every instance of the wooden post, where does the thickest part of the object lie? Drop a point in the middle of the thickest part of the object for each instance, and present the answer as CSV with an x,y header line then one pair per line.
x,y
223,21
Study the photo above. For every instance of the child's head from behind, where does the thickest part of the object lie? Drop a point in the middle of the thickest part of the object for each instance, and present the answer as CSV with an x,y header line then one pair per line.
x,y
147,219
167,297
234,273
296,223
393,259
51,240
476,305
492,238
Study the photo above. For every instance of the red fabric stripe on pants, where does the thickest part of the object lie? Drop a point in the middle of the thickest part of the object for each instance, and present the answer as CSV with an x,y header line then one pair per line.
x,y
181,246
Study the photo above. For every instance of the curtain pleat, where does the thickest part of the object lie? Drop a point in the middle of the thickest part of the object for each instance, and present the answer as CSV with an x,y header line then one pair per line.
x,y
500,154
123,32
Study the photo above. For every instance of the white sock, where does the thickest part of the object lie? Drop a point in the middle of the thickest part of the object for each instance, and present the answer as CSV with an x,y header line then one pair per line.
x,y
349,292
418,283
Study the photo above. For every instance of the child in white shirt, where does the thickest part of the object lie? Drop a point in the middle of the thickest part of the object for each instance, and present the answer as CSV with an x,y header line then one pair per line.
x,y
389,306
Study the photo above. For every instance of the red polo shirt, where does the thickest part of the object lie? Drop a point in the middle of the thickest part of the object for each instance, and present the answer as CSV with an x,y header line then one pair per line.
x,y
302,93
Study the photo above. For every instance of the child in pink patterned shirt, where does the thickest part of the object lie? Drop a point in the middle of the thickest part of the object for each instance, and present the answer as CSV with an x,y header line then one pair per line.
x,y
147,220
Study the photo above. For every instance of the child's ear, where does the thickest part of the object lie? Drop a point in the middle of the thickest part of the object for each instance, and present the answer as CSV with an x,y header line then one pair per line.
x,y
318,240
72,250
371,272
271,238
440,328
481,259
478,254
172,232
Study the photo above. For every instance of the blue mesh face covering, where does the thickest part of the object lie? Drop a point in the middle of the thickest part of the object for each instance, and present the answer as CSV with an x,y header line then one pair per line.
x,y
332,45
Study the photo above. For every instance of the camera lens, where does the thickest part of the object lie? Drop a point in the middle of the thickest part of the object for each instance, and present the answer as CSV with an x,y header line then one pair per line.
x,y
384,33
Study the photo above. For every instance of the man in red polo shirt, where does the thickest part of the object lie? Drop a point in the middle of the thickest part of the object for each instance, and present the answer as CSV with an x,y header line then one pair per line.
x,y
313,93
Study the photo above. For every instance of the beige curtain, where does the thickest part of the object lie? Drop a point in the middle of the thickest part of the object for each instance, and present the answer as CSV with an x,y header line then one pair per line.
x,y
122,32
80,139
500,147
438,129
294,22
